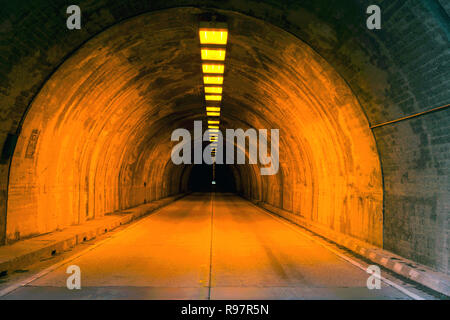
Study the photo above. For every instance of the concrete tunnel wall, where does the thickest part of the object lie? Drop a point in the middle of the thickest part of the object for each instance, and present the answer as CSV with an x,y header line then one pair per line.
x,y
394,72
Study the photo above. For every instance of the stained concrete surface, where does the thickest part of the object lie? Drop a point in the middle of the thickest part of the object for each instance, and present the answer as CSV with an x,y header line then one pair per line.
x,y
202,247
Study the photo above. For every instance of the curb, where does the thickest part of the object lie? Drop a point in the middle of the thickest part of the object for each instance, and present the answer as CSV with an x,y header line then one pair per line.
x,y
409,269
56,242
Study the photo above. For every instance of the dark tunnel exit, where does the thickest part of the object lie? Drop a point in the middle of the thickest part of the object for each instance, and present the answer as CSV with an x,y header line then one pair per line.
x,y
201,177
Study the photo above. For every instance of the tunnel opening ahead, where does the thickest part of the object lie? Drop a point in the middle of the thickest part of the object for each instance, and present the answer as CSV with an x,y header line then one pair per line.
x,y
201,178
90,129
97,137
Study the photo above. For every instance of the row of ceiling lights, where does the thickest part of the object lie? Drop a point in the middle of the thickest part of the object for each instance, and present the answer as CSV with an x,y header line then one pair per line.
x,y
213,41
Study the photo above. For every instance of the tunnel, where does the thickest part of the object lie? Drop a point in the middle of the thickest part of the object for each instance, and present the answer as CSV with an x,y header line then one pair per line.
x,y
363,119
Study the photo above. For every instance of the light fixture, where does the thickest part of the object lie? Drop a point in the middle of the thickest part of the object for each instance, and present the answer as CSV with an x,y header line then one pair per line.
x,y
216,90
212,68
213,36
212,79
213,97
213,54
213,39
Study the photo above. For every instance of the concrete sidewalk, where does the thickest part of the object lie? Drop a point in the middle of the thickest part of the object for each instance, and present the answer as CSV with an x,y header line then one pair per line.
x,y
25,252
409,269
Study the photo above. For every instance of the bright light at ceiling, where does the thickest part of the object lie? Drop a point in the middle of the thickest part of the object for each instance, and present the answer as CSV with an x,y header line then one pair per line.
x,y
213,90
213,36
213,39
213,54
213,79
212,68
213,97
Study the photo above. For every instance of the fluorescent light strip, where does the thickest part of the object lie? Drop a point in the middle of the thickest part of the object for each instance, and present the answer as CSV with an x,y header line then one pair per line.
x,y
212,68
213,54
213,36
213,97
214,90
213,79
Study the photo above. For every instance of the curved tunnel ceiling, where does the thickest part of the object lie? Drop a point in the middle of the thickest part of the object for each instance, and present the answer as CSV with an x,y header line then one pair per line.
x,y
97,137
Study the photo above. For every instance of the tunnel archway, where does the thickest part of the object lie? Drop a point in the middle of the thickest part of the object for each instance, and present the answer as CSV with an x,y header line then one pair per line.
x,y
96,137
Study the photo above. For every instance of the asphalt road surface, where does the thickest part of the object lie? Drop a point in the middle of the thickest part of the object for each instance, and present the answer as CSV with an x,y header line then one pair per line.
x,y
208,246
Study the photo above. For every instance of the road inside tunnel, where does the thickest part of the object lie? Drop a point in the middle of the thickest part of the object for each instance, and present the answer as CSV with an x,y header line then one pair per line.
x,y
208,246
